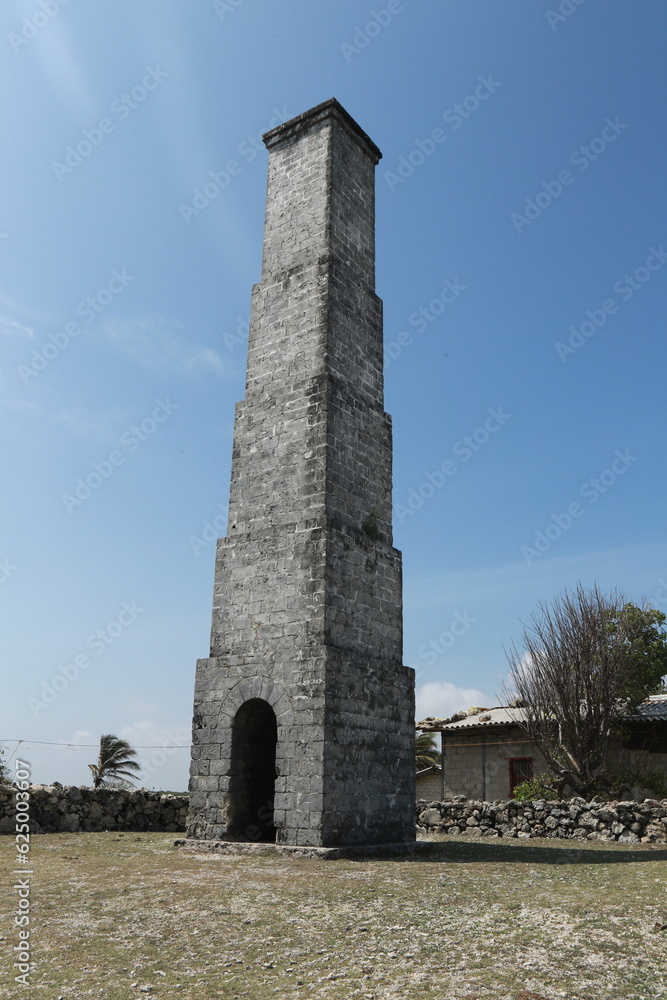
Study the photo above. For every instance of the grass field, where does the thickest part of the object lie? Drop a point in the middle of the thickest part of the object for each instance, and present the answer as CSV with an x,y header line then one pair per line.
x,y
117,915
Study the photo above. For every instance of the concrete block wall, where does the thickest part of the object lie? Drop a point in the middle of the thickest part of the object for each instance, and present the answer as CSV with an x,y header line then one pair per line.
x,y
429,788
477,762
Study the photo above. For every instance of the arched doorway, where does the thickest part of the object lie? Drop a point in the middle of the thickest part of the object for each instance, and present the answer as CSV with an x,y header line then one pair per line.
x,y
253,772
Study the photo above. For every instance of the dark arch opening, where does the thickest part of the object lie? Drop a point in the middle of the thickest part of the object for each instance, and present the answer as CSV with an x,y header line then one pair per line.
x,y
253,772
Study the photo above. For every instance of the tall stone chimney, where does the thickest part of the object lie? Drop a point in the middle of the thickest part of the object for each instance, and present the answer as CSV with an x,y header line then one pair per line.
x,y
303,727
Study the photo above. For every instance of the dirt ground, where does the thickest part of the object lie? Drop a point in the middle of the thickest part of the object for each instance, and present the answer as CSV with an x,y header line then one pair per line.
x,y
116,916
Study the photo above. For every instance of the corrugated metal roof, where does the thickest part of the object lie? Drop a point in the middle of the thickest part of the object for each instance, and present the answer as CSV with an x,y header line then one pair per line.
x,y
653,709
490,717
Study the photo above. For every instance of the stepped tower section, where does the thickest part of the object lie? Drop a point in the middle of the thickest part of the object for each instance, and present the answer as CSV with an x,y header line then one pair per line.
x,y
303,729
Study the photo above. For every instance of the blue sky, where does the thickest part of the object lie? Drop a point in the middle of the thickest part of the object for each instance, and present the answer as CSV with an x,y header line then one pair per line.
x,y
521,259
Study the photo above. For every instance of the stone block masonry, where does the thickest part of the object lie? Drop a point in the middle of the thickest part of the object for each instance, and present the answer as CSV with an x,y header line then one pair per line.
x,y
304,714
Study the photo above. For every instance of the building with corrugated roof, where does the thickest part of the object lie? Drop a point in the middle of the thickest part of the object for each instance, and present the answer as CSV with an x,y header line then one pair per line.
x,y
487,751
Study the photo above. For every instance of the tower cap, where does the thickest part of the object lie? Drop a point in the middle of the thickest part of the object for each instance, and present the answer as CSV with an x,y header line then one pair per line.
x,y
330,109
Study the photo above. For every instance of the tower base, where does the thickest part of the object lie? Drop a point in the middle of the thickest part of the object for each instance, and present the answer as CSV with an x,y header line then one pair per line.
x,y
290,851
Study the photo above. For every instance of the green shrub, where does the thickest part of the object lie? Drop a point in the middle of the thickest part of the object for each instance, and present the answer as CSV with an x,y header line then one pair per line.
x,y
539,787
370,525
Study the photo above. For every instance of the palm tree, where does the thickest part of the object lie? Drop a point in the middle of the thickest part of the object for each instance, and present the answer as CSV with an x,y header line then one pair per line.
x,y
426,751
114,761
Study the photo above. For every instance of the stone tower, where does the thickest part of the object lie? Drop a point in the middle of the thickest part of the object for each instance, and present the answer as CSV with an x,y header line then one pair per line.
x,y
303,728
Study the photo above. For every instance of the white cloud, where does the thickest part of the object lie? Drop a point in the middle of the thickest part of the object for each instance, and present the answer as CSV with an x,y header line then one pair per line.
x,y
82,736
161,344
441,699
146,733
11,328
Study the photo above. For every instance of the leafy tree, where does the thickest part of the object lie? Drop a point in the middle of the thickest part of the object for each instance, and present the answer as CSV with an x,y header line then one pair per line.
x,y
586,659
115,761
426,751
633,771
641,630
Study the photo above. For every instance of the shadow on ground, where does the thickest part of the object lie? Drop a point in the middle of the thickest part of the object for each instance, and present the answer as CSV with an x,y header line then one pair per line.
x,y
466,852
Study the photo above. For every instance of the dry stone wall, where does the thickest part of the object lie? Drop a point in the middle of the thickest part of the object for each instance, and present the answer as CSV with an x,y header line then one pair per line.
x,y
625,822
68,809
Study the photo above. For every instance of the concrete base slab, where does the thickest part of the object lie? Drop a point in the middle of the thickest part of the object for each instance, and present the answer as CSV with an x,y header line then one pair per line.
x,y
292,851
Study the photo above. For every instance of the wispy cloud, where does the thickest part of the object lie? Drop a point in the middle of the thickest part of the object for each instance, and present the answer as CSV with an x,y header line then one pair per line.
x,y
55,53
101,427
11,328
162,344
490,586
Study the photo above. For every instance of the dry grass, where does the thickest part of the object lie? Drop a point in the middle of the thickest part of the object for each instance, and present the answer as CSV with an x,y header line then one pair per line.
x,y
113,913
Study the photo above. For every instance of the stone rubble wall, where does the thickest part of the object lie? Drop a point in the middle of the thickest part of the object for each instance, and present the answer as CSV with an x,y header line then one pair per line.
x,y
71,809
68,809
625,822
